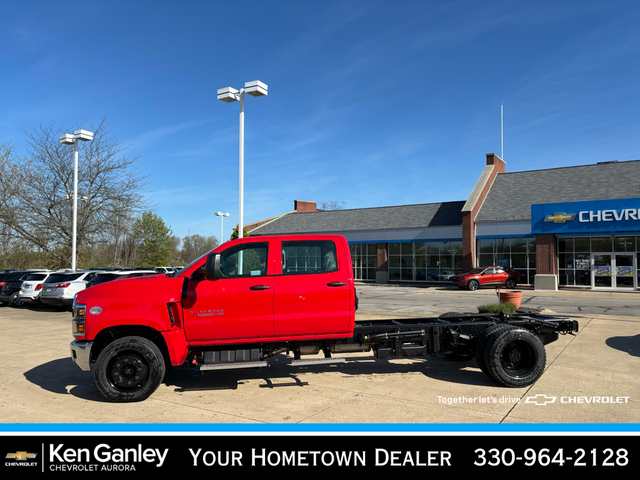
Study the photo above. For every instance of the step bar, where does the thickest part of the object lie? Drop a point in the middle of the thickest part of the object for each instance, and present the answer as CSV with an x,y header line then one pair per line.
x,y
295,363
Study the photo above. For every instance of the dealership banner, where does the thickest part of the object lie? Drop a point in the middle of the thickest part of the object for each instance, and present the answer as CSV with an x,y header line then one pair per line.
x,y
614,216
189,454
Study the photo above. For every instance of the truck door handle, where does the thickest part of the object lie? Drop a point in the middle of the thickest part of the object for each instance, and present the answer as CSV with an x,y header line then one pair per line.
x,y
259,287
336,284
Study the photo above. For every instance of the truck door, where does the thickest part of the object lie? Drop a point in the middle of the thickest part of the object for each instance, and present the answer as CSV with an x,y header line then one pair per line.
x,y
237,306
312,295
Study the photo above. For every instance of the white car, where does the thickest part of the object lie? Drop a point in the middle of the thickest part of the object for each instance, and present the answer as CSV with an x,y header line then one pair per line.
x,y
61,287
166,269
32,287
108,276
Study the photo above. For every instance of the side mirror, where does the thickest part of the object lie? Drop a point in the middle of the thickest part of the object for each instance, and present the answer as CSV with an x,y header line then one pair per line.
x,y
212,266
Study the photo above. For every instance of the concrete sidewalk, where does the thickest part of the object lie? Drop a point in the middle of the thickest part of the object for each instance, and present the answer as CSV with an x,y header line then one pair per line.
x,y
593,377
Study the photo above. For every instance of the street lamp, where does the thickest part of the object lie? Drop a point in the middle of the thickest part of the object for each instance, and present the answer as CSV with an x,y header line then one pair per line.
x,y
221,215
228,95
69,139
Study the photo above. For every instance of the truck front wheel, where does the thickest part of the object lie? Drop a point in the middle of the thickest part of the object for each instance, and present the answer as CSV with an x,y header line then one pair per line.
x,y
129,369
514,357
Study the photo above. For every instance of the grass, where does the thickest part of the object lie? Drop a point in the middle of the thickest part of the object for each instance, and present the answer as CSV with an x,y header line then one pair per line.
x,y
506,307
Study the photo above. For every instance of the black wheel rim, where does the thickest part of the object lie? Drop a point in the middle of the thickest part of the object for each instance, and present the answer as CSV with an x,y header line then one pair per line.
x,y
128,371
517,358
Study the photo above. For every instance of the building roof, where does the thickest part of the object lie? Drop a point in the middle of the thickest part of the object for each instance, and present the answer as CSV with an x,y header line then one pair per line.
x,y
362,219
512,194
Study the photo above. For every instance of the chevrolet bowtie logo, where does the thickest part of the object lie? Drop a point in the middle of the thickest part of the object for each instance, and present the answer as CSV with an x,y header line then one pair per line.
x,y
559,218
540,399
21,455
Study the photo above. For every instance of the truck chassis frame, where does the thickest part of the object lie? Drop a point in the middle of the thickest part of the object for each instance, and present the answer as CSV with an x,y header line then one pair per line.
x,y
508,348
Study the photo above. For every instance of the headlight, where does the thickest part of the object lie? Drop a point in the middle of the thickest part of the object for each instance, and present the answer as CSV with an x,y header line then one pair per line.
x,y
77,323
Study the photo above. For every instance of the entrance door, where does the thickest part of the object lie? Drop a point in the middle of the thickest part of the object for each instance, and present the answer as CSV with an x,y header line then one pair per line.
x,y
613,270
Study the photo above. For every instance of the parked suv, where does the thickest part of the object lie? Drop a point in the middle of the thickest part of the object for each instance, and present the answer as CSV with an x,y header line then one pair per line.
x,y
10,287
32,287
61,287
487,276
102,277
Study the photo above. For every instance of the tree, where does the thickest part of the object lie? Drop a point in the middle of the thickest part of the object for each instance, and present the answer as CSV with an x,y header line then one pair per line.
x,y
154,241
194,246
234,234
332,205
36,194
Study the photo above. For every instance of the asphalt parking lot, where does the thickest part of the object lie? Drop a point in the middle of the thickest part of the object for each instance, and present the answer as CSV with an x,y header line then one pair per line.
x,y
592,377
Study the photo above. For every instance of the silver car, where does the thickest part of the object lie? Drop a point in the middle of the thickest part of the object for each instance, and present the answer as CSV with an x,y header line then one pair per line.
x,y
61,287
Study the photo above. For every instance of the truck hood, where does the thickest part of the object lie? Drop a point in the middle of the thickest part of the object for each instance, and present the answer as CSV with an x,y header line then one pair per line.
x,y
157,287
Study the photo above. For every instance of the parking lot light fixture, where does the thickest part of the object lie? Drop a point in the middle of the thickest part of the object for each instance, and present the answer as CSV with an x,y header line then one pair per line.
x,y
255,88
69,139
221,215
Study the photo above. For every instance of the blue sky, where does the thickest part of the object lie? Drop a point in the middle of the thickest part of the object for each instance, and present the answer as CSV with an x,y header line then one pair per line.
x,y
371,103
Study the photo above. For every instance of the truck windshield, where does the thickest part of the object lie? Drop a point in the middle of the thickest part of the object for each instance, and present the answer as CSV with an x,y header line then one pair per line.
x,y
183,269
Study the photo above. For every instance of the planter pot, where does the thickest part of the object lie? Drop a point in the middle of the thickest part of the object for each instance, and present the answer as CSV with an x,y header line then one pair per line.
x,y
512,296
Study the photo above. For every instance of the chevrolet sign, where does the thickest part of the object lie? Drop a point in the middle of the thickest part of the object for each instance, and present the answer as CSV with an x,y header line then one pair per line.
x,y
597,216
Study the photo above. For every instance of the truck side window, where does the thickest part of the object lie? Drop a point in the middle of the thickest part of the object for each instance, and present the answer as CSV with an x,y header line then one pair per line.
x,y
248,260
313,256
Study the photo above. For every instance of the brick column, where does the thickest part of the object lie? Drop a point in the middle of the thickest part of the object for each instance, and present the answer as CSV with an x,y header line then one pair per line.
x,y
546,255
546,262
468,241
494,166
382,273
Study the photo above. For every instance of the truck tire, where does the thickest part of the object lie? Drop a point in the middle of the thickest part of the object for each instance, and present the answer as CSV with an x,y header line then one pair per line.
x,y
482,341
129,369
514,356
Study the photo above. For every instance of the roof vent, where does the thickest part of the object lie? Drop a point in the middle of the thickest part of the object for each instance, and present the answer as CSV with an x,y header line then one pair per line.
x,y
607,163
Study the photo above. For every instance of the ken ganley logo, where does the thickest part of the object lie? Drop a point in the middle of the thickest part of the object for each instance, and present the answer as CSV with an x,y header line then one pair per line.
x,y
20,459
104,458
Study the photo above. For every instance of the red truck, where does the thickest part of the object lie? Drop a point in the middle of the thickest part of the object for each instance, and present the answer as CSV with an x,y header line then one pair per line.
x,y
257,297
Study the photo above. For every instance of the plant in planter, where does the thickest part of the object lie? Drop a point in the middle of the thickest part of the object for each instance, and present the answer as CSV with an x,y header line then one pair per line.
x,y
505,307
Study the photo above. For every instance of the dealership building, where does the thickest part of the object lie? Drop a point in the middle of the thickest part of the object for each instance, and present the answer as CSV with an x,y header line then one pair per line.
x,y
566,227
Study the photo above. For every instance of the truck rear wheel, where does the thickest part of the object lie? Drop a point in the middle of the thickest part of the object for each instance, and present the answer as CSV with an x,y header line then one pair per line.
x,y
514,357
129,369
482,341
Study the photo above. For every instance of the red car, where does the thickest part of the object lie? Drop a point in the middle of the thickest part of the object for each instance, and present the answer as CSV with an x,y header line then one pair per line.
x,y
487,276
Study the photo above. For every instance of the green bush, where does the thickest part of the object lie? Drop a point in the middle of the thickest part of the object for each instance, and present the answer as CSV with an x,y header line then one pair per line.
x,y
497,308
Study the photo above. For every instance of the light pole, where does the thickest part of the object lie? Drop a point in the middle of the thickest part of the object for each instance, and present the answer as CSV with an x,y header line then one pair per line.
x,y
221,215
228,95
69,139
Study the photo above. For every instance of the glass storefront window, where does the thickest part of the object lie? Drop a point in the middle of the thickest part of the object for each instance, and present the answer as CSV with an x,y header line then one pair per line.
x,y
624,244
601,244
427,261
516,253
364,258
597,261
582,244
